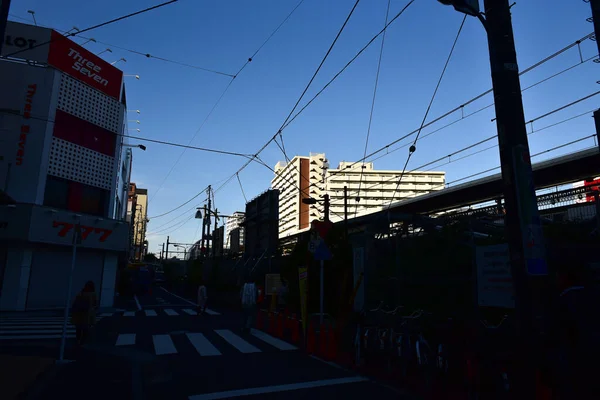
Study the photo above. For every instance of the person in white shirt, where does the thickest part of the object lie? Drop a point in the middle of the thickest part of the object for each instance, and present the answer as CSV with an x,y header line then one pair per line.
x,y
202,298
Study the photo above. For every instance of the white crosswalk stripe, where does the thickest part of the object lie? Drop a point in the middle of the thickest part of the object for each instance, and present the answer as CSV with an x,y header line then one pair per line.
x,y
150,313
204,345
157,312
170,312
190,311
24,327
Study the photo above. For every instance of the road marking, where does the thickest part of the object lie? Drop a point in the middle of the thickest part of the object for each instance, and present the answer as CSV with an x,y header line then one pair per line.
x,y
280,344
125,339
137,302
237,341
190,311
170,312
163,345
34,337
150,313
129,314
179,297
202,345
56,329
277,388
211,312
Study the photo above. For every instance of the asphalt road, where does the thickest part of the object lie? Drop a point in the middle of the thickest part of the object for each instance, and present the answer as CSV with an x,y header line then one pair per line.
x,y
156,349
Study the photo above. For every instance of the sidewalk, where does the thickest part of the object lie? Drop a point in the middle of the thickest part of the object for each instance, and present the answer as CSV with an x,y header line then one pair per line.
x,y
19,373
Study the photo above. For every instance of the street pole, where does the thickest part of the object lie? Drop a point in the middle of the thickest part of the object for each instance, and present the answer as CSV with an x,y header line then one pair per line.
x,y
162,252
208,222
4,7
597,123
346,211
322,272
203,230
523,226
326,208
167,253
595,4
63,338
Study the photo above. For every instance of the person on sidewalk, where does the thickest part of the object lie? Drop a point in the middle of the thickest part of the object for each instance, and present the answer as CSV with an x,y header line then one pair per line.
x,y
249,296
202,298
83,312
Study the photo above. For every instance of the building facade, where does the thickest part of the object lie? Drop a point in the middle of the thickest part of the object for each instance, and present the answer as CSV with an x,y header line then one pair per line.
x,y
234,222
311,177
64,162
140,224
299,178
373,189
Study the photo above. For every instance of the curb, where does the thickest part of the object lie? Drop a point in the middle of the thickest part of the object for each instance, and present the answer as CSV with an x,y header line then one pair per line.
x,y
43,380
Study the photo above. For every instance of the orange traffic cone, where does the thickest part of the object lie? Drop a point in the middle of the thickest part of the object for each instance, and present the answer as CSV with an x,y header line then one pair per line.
x,y
279,330
310,339
322,341
295,328
331,345
259,320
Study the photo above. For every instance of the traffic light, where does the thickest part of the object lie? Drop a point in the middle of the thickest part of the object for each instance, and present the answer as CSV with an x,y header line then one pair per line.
x,y
469,7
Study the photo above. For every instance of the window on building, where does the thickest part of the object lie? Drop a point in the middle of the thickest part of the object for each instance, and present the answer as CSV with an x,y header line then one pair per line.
x,y
56,193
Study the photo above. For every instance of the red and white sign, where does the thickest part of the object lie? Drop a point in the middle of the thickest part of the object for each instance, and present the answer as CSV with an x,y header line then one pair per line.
x,y
81,64
83,133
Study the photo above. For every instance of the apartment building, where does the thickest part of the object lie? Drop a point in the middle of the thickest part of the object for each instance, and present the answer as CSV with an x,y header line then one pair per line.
x,y
233,223
369,189
311,177
301,177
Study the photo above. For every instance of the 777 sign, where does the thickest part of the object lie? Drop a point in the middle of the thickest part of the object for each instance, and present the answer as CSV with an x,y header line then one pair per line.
x,y
86,231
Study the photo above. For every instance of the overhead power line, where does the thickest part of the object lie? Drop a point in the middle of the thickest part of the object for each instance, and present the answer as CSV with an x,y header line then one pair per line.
x,y
112,21
219,100
362,169
472,100
181,205
244,166
141,53
413,147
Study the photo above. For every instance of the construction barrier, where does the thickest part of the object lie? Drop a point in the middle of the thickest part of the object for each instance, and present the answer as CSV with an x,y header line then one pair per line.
x,y
259,320
271,327
321,350
279,325
331,351
295,329
311,339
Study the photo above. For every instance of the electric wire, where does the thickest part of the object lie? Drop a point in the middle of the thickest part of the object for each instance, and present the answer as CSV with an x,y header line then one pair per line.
x,y
387,14
219,100
181,205
418,169
94,27
356,164
242,188
413,148
145,54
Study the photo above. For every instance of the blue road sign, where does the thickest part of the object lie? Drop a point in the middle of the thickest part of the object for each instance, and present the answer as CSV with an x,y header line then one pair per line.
x,y
322,253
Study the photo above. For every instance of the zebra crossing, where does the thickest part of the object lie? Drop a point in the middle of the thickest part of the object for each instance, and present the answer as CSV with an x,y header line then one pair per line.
x,y
169,312
212,343
41,327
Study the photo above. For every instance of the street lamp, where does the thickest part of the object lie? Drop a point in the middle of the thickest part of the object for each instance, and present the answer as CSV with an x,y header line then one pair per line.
x,y
134,129
136,77
120,59
137,121
325,201
136,111
32,16
104,51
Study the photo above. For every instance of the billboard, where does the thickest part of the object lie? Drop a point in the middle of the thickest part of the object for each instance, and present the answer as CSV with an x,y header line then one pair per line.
x,y
83,65
592,186
43,45
262,224
27,41
25,133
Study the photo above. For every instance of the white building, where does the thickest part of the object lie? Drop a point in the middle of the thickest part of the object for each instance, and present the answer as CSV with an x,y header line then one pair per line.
x,y
311,177
301,177
375,189
64,166
235,222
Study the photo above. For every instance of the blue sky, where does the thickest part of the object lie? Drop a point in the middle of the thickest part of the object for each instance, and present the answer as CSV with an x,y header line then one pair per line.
x,y
222,34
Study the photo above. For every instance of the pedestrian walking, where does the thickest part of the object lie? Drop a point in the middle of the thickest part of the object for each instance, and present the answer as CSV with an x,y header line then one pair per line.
x,y
202,298
83,312
249,296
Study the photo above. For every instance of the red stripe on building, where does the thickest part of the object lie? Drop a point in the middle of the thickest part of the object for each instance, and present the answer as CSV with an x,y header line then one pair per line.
x,y
83,133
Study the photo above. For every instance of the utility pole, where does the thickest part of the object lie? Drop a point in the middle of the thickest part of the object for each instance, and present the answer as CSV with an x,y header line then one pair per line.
x,y
346,211
597,123
523,226
167,253
4,7
326,208
162,252
209,215
595,4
